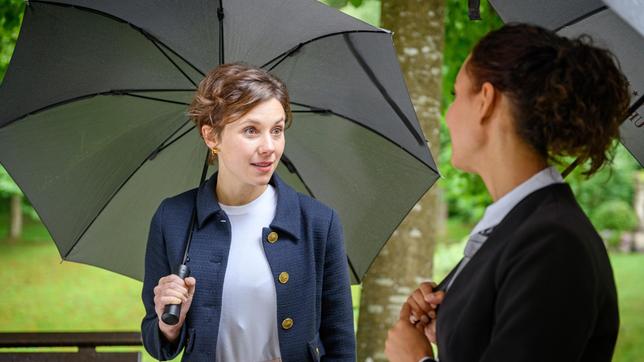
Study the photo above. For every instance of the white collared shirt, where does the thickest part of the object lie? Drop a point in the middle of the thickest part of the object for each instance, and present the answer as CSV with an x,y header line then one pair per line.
x,y
497,211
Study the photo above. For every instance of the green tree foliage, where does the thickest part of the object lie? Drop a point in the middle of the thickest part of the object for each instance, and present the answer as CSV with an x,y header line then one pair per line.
x,y
612,185
365,10
342,3
10,19
465,193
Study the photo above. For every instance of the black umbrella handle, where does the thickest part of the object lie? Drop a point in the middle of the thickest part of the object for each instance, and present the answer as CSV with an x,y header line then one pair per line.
x,y
171,312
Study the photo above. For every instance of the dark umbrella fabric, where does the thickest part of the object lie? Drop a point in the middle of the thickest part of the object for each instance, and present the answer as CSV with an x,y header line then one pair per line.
x,y
93,123
618,26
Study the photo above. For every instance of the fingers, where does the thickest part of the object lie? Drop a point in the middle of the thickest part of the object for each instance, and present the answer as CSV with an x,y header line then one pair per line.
x,y
191,283
418,300
174,290
419,306
405,312
415,311
169,295
430,294
420,327
165,300
179,288
427,288
436,298
430,331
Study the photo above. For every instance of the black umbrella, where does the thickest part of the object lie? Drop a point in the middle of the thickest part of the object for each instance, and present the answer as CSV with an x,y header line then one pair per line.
x,y
607,26
93,123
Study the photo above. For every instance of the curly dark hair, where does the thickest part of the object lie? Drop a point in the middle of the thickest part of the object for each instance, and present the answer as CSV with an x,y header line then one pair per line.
x,y
568,97
230,91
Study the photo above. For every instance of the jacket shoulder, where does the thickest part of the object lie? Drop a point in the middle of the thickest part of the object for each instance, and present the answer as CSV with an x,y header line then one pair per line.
x,y
180,201
559,213
314,207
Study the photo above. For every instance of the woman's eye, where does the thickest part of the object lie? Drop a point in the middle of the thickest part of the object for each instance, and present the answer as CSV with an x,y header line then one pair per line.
x,y
277,131
250,130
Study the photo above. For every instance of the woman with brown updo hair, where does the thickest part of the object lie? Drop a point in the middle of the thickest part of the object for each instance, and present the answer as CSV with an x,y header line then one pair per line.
x,y
535,282
269,275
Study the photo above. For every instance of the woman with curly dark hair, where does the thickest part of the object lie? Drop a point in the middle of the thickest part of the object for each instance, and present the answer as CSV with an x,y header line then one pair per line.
x,y
535,282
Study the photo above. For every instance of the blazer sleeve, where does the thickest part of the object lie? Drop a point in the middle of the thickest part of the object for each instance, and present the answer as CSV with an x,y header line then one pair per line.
x,y
336,325
157,266
545,299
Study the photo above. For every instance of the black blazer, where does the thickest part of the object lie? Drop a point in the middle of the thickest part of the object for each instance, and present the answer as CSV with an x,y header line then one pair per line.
x,y
540,288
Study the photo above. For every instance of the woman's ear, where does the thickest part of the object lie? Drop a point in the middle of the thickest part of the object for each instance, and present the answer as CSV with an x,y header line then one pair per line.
x,y
209,136
487,100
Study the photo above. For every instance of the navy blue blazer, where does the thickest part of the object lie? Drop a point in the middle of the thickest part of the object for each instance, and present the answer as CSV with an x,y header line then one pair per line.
x,y
309,247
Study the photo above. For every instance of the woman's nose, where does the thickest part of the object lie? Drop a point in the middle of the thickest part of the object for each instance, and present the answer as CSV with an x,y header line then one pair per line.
x,y
267,145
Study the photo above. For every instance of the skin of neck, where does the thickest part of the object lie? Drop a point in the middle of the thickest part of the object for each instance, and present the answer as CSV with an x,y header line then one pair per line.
x,y
505,160
233,194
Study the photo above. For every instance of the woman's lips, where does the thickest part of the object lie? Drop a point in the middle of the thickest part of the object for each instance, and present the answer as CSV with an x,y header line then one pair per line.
x,y
263,166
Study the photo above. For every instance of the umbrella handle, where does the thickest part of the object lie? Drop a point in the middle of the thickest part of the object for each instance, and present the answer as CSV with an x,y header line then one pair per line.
x,y
171,312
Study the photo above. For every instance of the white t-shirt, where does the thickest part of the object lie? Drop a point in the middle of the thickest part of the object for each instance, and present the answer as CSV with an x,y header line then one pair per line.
x,y
248,325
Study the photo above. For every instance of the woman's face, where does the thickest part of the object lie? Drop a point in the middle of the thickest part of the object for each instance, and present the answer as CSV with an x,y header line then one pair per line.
x,y
249,149
462,120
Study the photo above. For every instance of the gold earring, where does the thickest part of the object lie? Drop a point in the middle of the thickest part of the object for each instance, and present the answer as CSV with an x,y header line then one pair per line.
x,y
214,151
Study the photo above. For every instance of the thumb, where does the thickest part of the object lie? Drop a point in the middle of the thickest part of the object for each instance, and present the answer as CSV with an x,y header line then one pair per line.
x,y
190,283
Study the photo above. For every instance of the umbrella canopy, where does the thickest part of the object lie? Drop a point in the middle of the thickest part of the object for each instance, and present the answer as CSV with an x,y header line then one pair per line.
x,y
93,124
618,27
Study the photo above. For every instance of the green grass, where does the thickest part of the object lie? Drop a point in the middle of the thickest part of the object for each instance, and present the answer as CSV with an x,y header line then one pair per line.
x,y
629,274
42,294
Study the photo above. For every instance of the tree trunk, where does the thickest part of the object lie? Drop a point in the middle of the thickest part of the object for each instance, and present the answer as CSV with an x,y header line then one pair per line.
x,y
15,229
406,259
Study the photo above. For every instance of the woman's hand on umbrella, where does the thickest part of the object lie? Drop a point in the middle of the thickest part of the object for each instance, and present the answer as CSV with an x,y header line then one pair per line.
x,y
423,303
173,290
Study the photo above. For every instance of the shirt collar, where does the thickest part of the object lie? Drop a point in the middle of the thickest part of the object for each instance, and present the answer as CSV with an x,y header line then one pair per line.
x,y
495,213
287,212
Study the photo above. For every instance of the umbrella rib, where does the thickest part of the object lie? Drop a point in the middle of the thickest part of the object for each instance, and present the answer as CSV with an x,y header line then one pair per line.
x,y
638,103
165,145
156,99
291,167
631,110
91,95
220,19
364,126
353,270
78,239
582,17
102,13
383,91
312,111
152,40
294,49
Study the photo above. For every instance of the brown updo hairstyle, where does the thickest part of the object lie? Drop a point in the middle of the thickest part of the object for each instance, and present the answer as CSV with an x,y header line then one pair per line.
x,y
230,91
568,97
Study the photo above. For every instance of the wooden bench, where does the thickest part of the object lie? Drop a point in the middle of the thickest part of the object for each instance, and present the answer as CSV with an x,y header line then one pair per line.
x,y
85,341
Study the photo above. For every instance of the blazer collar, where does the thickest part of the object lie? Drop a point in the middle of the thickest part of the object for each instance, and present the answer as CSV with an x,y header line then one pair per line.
x,y
287,214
